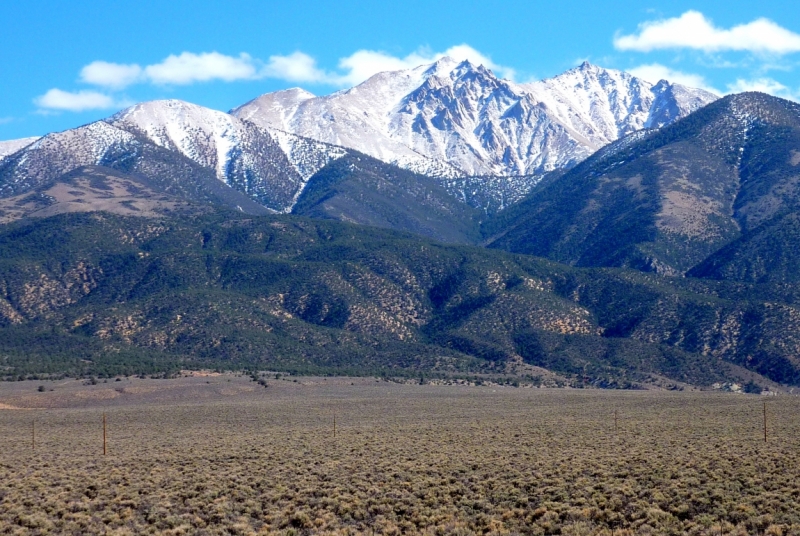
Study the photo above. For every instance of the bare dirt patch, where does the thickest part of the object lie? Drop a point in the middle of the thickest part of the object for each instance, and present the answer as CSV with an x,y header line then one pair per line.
x,y
92,191
687,213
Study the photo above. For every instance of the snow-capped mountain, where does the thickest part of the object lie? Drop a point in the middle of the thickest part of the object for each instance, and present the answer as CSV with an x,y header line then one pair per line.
x,y
12,146
462,116
249,158
235,149
269,167
488,139
56,154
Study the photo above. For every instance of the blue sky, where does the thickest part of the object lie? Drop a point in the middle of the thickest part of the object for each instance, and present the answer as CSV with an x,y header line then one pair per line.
x,y
65,64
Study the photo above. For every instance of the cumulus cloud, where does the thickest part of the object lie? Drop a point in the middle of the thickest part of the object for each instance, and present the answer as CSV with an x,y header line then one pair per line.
x,y
111,75
296,67
188,68
654,72
80,101
693,30
181,69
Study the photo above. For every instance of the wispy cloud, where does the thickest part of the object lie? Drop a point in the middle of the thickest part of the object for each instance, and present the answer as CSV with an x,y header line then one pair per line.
x,y
79,101
189,68
655,72
111,75
364,63
296,67
693,30
357,67
177,69
764,85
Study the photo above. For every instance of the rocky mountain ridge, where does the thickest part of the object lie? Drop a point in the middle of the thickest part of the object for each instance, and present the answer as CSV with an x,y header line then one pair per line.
x,y
666,200
462,114
180,141
487,139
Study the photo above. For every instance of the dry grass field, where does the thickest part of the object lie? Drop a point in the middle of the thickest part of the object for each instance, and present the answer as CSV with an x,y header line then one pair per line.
x,y
224,455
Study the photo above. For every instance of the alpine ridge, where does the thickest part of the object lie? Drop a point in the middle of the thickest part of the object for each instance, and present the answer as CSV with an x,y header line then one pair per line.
x,y
180,140
488,140
464,116
668,200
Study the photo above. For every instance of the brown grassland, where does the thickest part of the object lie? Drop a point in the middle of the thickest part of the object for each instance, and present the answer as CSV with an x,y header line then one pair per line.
x,y
224,455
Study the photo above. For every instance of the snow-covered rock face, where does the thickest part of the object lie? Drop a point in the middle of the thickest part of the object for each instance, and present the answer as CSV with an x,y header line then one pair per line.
x,y
674,101
206,136
61,152
12,146
271,167
449,119
221,141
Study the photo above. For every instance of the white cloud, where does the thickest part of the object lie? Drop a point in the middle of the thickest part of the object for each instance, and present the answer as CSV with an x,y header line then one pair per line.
x,y
764,85
80,101
296,67
354,69
694,31
655,72
111,75
364,63
188,68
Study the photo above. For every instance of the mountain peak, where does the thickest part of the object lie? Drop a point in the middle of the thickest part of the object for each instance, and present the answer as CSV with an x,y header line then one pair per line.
x,y
442,66
459,113
467,67
158,106
661,85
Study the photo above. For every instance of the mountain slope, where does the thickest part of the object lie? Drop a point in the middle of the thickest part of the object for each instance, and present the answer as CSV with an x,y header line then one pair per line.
x,y
667,200
363,190
111,294
91,189
185,142
12,146
463,115
269,168
449,120
101,144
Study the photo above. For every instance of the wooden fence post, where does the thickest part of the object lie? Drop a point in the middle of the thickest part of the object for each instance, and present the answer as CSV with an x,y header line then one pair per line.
x,y
104,433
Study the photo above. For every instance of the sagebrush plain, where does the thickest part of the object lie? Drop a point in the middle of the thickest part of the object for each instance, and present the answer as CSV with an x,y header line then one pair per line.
x,y
223,454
